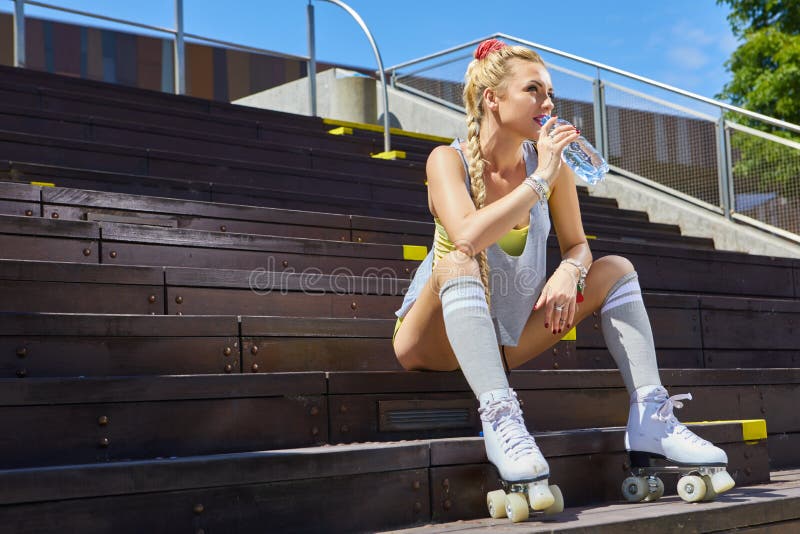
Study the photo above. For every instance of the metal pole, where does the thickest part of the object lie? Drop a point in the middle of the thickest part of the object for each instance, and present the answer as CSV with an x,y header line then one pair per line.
x,y
312,62
180,57
729,171
387,144
600,125
722,165
19,33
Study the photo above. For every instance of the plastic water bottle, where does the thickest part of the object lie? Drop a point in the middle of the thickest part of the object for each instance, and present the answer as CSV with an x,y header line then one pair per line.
x,y
582,157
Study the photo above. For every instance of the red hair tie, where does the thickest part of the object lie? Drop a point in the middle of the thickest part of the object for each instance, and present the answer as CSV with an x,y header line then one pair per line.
x,y
487,47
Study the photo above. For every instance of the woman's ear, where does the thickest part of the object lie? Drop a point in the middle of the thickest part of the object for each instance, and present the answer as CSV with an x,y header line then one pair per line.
x,y
490,99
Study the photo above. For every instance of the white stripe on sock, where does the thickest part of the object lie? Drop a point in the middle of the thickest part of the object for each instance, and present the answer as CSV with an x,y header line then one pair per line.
x,y
466,304
633,297
627,287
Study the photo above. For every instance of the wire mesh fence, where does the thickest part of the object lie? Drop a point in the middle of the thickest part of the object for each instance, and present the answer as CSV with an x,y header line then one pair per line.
x,y
664,143
765,172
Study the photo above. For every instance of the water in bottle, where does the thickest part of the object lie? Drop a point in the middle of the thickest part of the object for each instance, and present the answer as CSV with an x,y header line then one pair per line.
x,y
582,157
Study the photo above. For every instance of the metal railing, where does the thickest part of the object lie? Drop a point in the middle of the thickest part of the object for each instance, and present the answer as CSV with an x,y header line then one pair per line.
x,y
690,146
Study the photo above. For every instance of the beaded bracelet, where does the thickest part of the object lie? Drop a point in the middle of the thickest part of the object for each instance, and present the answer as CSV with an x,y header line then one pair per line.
x,y
539,186
583,270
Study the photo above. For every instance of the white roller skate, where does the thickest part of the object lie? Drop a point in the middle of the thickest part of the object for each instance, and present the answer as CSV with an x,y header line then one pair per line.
x,y
513,451
658,443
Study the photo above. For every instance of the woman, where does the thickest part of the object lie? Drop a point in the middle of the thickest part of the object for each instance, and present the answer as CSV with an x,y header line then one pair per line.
x,y
480,300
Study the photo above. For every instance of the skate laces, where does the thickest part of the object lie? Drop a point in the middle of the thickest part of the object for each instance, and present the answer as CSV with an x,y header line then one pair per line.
x,y
665,413
505,416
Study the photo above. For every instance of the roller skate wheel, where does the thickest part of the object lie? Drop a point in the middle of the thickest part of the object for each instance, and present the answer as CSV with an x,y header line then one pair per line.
x,y
540,496
496,502
516,507
657,494
722,482
710,493
558,504
634,489
692,488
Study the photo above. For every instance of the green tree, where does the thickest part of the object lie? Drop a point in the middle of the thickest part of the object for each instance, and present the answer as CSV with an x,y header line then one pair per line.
x,y
766,66
752,15
765,72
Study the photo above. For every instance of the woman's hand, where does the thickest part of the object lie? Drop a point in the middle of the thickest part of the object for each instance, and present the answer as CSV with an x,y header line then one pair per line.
x,y
558,298
550,146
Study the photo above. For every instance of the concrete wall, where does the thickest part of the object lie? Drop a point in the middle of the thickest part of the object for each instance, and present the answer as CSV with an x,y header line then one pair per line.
x,y
344,95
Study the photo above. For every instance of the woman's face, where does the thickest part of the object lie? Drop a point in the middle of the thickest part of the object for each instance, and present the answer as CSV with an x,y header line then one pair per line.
x,y
528,94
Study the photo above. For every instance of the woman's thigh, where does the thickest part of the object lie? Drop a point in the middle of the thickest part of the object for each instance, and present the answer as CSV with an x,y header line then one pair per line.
x,y
421,342
536,339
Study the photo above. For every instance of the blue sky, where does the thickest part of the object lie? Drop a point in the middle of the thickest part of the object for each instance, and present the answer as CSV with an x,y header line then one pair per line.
x,y
679,42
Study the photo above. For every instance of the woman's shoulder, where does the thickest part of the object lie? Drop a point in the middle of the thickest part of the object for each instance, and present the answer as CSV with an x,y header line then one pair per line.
x,y
448,151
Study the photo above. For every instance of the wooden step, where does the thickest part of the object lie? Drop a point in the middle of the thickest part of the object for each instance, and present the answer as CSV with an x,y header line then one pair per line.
x,y
768,507
400,485
58,151
660,267
84,89
189,132
72,204
97,420
363,405
211,191
345,408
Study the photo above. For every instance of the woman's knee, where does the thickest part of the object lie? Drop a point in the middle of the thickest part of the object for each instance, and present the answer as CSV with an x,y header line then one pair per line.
x,y
453,265
614,265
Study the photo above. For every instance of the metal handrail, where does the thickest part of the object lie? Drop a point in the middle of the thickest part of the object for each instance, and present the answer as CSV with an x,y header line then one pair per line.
x,y
614,70
387,143
101,17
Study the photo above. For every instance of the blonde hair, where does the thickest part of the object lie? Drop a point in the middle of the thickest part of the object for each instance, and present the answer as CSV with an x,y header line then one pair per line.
x,y
490,72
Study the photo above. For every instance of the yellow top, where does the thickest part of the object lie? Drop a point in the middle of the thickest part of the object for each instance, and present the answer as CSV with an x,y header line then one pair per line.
x,y
513,243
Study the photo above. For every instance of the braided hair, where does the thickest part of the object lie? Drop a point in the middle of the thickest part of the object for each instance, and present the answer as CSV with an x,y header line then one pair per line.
x,y
489,70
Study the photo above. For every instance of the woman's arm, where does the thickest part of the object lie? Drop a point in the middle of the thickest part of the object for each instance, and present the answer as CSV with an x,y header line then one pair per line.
x,y
566,214
471,230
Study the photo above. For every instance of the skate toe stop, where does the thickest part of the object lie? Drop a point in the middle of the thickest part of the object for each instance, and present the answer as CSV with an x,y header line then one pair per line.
x,y
722,482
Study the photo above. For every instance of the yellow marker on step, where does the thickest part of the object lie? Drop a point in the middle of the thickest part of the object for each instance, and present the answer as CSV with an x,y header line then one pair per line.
x,y
414,252
342,130
572,335
392,154
43,184
753,430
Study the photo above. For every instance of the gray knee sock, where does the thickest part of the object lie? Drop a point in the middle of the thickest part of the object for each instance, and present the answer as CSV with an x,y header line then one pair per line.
x,y
627,332
471,333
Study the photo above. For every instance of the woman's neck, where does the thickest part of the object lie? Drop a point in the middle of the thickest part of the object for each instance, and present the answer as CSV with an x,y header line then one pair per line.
x,y
502,153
